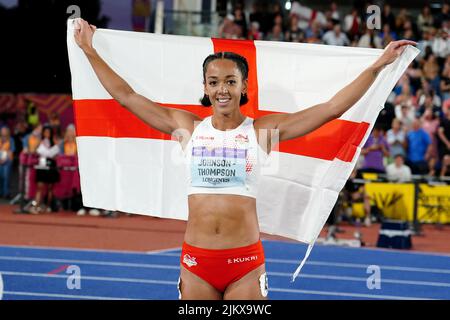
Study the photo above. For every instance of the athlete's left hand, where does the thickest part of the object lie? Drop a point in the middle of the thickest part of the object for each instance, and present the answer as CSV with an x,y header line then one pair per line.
x,y
393,50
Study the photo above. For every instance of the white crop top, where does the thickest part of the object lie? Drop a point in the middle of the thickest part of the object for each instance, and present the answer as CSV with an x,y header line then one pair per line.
x,y
223,162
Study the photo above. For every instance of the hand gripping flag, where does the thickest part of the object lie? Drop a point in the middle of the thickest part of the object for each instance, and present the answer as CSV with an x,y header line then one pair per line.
x,y
128,166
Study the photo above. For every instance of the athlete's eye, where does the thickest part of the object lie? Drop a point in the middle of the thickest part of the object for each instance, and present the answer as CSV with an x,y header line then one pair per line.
x,y
231,82
212,83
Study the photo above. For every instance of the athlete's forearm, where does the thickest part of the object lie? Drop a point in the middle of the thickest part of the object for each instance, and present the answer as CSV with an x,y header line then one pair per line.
x,y
117,87
350,94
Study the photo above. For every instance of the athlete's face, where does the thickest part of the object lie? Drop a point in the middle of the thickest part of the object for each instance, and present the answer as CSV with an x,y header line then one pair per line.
x,y
224,85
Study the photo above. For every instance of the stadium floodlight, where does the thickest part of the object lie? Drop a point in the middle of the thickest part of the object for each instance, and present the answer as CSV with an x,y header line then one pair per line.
x,y
288,5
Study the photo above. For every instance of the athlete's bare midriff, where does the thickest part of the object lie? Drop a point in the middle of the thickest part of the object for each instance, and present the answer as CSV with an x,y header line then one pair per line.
x,y
221,221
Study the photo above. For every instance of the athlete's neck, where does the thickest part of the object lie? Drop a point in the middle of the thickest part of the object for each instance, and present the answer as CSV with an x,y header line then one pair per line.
x,y
227,121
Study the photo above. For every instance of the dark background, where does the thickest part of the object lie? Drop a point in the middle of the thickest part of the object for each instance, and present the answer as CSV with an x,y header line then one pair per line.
x,y
33,51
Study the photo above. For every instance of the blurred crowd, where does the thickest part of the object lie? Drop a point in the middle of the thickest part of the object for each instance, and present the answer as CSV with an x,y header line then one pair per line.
x,y
411,135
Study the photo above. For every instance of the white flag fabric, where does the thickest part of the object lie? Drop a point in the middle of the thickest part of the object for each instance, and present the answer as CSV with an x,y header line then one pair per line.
x,y
128,166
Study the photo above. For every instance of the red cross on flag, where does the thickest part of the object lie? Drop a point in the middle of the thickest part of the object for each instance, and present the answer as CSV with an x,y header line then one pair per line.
x,y
126,165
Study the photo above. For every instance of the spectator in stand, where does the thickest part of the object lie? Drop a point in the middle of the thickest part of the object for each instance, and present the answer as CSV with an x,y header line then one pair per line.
x,y
442,16
418,149
387,17
396,138
428,103
55,123
409,32
294,33
375,149
46,173
336,37
445,80
352,24
228,29
444,144
32,114
370,39
31,141
334,12
7,149
405,96
262,17
425,19
431,72
430,123
406,115
398,171
69,145
441,45
240,19
423,44
20,132
254,33
276,34
314,33
387,35
400,20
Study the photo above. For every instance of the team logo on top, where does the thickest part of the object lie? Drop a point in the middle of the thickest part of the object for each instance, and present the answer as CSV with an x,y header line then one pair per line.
x,y
240,138
189,261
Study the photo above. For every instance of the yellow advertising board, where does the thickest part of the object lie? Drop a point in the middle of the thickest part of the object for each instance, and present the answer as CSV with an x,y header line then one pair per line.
x,y
396,201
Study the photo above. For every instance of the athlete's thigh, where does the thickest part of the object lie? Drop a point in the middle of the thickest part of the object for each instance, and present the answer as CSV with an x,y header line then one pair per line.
x,y
252,286
192,287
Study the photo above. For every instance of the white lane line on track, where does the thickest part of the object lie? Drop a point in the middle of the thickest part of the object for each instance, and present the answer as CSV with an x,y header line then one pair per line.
x,y
347,294
294,262
54,295
279,274
91,250
173,283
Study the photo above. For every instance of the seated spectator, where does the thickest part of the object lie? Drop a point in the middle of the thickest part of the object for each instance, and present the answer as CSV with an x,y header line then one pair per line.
x,y
374,150
442,16
406,115
387,35
400,20
425,19
294,33
352,23
7,149
427,103
370,39
276,34
398,171
228,29
46,172
254,33
240,19
387,17
396,138
314,33
418,148
336,37
441,44
444,144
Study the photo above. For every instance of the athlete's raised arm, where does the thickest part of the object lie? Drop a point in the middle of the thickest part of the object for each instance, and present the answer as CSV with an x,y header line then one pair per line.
x,y
164,119
297,124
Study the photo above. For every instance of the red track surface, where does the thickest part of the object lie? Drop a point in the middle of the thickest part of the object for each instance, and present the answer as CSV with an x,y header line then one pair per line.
x,y
142,233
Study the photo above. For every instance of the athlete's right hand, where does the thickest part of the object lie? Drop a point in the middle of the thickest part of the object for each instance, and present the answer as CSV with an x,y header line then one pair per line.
x,y
84,33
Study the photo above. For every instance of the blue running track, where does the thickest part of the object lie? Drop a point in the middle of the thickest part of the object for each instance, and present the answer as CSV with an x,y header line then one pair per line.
x,y
330,273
